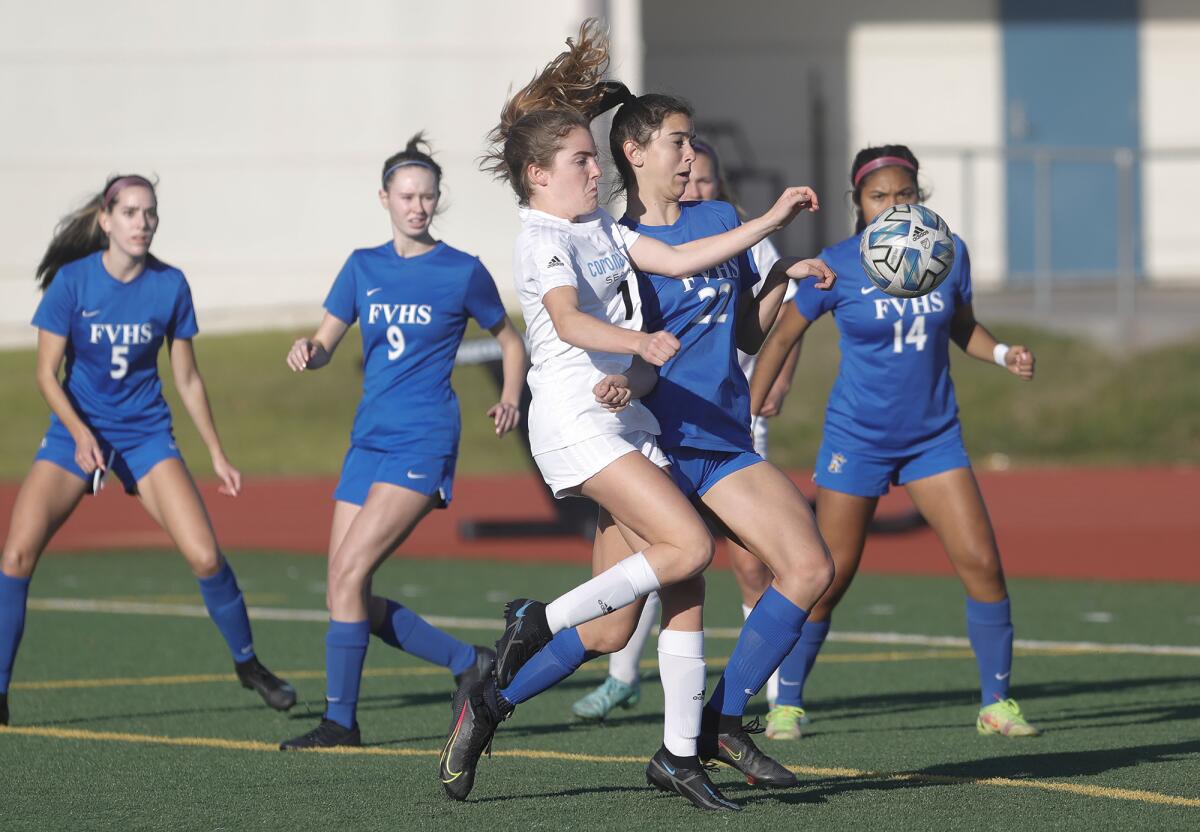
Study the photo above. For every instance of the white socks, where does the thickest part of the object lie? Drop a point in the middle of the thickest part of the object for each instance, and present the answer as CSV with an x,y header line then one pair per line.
x,y
773,682
624,664
612,589
681,668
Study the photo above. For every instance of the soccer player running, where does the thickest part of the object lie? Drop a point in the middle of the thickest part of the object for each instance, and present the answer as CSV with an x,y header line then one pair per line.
x,y
412,297
892,419
583,309
621,688
107,306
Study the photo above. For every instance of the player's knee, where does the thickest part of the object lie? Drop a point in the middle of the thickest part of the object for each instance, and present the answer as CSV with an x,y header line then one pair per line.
x,y
347,576
204,563
18,561
696,553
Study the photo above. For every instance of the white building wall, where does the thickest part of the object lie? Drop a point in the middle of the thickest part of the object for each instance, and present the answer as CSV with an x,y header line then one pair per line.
x,y
1169,47
946,103
267,124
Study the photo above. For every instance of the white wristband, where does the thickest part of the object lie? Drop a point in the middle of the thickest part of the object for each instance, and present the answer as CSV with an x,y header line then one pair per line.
x,y
1000,353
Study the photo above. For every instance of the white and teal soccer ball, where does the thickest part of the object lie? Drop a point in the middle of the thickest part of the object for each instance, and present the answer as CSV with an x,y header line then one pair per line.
x,y
907,251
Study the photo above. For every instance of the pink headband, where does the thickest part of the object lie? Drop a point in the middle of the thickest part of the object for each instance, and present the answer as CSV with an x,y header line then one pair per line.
x,y
881,162
121,184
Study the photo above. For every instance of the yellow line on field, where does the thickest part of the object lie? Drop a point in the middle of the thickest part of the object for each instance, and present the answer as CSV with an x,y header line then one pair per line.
x,y
201,678
650,664
1134,795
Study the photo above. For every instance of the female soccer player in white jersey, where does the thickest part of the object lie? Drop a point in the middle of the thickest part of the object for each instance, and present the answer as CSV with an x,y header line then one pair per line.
x,y
706,181
107,306
583,310
412,297
892,420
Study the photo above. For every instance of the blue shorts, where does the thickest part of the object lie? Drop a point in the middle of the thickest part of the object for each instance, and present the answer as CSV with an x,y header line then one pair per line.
x,y
133,455
362,468
696,470
870,475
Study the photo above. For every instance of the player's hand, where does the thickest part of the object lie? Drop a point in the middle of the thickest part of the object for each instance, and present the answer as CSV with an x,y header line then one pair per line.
x,y
658,348
825,276
613,393
300,354
506,415
790,203
87,452
1019,362
773,404
230,477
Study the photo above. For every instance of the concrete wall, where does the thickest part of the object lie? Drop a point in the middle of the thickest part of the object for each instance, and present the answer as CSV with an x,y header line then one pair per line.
x,y
267,123
1170,68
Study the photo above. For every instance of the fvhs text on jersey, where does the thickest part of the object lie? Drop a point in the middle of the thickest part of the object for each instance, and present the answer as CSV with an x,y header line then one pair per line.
x,y
400,313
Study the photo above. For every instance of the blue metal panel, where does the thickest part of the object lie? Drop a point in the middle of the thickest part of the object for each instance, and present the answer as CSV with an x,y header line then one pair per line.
x,y
1071,93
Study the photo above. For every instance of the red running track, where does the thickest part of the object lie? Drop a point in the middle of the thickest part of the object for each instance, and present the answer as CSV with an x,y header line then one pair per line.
x,y
1113,524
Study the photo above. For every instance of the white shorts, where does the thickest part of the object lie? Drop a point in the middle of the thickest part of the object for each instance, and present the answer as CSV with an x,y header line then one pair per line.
x,y
565,469
758,430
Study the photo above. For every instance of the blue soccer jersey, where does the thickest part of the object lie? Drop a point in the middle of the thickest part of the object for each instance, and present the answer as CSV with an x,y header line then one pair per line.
x,y
893,391
702,399
412,312
114,331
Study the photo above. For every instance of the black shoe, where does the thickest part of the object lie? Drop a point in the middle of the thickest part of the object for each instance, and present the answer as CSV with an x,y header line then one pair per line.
x,y
274,691
485,663
737,750
692,783
326,735
3,708
525,633
477,710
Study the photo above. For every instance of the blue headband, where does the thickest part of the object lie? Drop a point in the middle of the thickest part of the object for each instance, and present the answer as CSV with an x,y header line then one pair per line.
x,y
405,163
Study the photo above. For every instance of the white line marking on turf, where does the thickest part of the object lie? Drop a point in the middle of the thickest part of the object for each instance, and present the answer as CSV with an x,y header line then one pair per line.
x,y
459,623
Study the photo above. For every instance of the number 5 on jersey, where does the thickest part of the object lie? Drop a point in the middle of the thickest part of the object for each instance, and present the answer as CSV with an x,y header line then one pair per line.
x,y
120,361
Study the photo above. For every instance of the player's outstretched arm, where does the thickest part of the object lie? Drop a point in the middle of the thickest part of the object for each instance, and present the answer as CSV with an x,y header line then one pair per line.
x,y
586,332
685,260
785,338
51,350
190,385
506,413
315,352
757,313
977,342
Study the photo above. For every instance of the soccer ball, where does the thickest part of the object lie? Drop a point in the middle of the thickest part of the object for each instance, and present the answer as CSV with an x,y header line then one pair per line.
x,y
907,251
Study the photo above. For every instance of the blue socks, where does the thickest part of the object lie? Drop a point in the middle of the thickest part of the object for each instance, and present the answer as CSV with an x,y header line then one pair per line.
x,y
549,666
990,630
793,673
227,609
345,652
14,592
405,630
769,634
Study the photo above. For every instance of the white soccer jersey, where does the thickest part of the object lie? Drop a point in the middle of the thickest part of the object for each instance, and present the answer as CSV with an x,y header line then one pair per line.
x,y
591,256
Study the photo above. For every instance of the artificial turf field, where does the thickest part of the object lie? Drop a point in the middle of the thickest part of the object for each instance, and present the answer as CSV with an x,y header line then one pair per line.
x,y
126,715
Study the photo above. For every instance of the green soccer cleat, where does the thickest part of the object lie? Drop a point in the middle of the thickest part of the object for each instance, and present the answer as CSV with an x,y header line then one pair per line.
x,y
612,694
784,721
1004,718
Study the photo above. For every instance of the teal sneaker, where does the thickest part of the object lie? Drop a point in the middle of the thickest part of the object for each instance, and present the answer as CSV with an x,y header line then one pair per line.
x,y
613,693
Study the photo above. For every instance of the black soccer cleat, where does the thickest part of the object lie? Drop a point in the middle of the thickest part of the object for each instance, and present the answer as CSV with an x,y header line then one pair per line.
x,y
692,783
476,712
328,734
274,691
525,633
485,663
738,751
3,708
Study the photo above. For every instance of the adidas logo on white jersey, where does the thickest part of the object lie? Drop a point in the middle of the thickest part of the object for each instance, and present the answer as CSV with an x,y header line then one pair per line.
x,y
556,263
